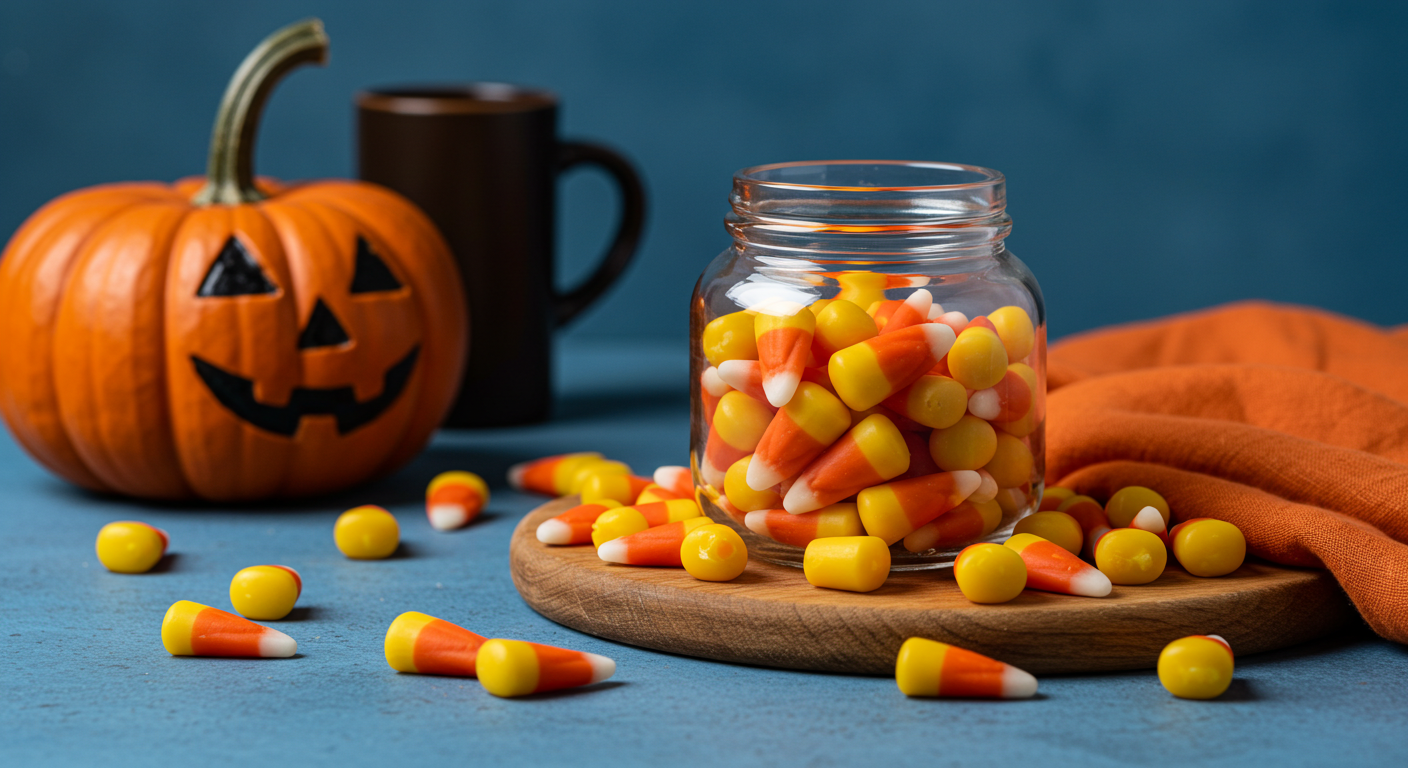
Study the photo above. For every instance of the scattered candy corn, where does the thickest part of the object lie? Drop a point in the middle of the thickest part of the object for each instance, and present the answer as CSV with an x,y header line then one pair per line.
x,y
130,547
930,668
192,629
659,545
800,530
573,526
425,645
511,668
265,592
1051,568
1196,667
871,453
453,499
784,338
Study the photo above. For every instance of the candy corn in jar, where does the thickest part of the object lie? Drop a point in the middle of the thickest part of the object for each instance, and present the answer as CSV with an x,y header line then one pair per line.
x,y
868,343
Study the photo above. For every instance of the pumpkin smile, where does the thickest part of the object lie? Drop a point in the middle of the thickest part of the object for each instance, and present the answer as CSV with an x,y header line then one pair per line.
x,y
236,393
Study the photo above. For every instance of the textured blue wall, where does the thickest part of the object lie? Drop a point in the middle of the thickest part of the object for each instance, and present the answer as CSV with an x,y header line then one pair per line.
x,y
1161,157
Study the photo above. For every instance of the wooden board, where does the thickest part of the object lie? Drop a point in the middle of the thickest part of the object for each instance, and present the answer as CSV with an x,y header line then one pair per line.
x,y
770,616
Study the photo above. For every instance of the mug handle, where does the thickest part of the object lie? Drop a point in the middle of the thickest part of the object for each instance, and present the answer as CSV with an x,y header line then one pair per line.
x,y
628,232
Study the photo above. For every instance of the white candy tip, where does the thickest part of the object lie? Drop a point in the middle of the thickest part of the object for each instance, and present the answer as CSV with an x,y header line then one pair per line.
x,y
940,338
515,474
985,404
554,532
1220,639
613,551
274,644
1150,520
966,482
800,499
935,310
921,300
760,476
668,476
1091,583
757,522
1017,683
447,517
602,667
734,373
713,383
780,386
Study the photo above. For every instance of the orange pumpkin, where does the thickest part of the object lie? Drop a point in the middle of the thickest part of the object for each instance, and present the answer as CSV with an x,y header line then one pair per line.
x,y
211,339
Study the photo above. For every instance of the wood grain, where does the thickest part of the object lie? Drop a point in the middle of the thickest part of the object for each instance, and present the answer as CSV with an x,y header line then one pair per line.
x,y
770,616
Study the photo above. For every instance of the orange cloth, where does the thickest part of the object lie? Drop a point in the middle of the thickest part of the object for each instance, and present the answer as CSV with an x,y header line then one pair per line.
x,y
1290,423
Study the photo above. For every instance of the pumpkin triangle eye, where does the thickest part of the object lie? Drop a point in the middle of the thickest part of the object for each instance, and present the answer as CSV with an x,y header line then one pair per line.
x,y
371,273
235,273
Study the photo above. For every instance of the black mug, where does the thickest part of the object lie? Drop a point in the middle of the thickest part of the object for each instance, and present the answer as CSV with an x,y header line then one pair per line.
x,y
482,160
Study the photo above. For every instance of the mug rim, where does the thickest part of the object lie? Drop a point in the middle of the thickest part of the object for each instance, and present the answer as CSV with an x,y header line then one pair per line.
x,y
456,98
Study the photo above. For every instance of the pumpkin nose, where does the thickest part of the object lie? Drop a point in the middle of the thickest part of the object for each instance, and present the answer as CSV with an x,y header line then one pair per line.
x,y
322,330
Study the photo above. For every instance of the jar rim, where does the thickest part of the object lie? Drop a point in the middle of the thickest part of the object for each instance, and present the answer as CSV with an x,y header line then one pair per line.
x,y
755,176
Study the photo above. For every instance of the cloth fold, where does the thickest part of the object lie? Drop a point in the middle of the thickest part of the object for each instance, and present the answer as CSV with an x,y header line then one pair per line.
x,y
1290,423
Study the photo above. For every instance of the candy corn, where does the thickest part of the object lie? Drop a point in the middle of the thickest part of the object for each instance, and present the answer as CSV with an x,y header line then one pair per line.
x,y
730,337
711,388
912,311
987,487
573,526
864,288
1207,547
672,511
955,320
514,668
800,530
676,480
615,523
192,629
865,374
738,425
1128,501
932,401
653,546
1014,326
619,488
1149,519
739,493
839,325
128,546
425,645
746,376
552,475
1051,568
1025,424
930,668
964,523
1091,516
920,462
806,426
871,453
894,510
850,563
784,336
453,499
1053,497
656,492
977,360
1007,400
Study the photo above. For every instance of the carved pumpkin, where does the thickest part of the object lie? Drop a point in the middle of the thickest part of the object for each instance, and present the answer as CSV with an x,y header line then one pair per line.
x,y
211,339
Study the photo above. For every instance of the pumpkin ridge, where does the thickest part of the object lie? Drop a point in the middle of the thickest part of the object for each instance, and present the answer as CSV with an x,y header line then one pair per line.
x,y
108,449
72,466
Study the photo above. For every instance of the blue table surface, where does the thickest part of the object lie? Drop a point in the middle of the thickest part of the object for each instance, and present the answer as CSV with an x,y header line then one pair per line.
x,y
86,681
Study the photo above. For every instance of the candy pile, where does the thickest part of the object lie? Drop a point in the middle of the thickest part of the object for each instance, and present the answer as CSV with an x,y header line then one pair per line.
x,y
890,418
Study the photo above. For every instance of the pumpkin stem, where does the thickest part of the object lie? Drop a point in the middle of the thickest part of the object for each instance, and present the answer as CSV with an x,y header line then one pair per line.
x,y
230,175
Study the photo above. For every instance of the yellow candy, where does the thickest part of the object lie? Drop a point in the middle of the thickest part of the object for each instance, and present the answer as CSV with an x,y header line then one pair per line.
x,y
1126,503
968,444
265,592
128,546
990,573
1130,556
621,488
367,533
615,523
977,359
1011,500
1197,667
743,497
714,553
840,325
817,306
1207,547
730,337
1014,328
1011,462
934,401
1058,528
1053,497
851,563
593,467
1027,424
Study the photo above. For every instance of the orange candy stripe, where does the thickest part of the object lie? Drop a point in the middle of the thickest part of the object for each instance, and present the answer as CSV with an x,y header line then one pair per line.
x,y
970,675
442,648
217,633
560,668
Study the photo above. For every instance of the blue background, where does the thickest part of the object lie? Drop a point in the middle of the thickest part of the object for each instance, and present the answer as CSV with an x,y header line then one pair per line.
x,y
1161,156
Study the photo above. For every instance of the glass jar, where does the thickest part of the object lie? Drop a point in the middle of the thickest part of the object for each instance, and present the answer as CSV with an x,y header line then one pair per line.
x,y
869,355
